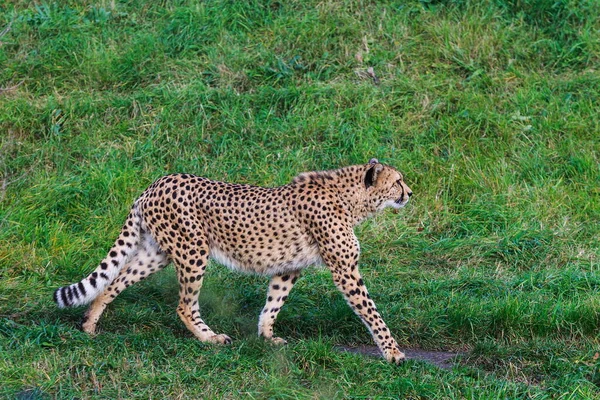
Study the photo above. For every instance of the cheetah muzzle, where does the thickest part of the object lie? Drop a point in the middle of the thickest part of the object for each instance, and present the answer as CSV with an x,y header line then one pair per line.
x,y
185,219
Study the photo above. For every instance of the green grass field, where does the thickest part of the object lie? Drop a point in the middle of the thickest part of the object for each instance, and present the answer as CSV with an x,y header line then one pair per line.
x,y
489,108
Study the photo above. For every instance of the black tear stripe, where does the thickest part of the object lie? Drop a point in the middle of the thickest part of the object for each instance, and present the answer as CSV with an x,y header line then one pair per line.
x,y
63,296
81,288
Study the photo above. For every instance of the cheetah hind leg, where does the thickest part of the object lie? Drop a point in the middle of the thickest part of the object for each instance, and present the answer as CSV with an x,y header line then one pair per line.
x,y
190,273
149,259
279,289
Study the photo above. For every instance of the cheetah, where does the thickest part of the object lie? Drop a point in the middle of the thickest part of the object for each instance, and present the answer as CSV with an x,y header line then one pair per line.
x,y
277,232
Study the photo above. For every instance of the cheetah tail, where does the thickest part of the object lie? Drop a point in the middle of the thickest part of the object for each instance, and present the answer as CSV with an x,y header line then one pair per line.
x,y
94,284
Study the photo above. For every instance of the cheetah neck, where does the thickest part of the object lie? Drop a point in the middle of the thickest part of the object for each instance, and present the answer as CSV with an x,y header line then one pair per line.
x,y
348,184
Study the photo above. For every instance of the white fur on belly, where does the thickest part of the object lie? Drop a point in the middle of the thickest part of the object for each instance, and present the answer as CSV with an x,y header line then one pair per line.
x,y
293,265
223,258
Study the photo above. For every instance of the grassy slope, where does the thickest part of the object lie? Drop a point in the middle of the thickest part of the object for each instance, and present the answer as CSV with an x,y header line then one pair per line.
x,y
489,108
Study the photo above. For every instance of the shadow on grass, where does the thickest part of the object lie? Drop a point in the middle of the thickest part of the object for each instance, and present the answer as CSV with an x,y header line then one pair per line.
x,y
441,359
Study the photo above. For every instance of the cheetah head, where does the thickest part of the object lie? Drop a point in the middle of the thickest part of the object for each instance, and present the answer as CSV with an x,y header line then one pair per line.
x,y
385,186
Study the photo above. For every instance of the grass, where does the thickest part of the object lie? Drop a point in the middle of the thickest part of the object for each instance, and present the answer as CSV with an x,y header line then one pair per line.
x,y
490,109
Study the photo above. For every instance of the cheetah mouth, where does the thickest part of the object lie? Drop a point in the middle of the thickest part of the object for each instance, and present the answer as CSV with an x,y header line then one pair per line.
x,y
397,204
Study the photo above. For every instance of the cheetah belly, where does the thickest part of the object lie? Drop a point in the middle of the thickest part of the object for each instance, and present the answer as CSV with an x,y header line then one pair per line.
x,y
308,256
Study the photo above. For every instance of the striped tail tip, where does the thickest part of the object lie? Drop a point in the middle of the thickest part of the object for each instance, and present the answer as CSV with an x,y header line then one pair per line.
x,y
56,298
60,298
72,295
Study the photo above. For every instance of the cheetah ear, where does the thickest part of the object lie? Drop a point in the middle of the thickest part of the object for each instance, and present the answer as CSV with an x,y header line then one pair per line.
x,y
373,161
372,173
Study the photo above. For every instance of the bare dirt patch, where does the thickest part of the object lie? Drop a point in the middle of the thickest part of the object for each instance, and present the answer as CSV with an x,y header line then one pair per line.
x,y
442,359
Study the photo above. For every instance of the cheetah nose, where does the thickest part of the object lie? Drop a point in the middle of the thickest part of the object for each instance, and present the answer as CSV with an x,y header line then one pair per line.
x,y
409,194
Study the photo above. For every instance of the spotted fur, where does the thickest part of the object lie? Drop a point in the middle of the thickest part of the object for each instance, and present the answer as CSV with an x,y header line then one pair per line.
x,y
186,219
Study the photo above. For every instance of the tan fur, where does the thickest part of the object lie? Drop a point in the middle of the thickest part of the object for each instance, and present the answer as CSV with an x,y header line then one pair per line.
x,y
278,231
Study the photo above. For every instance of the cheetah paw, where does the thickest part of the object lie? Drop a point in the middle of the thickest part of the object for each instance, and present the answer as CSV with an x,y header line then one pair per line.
x,y
277,341
88,327
395,356
220,339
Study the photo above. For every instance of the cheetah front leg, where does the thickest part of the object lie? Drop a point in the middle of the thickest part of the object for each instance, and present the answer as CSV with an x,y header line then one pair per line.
x,y
279,289
350,283
341,256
